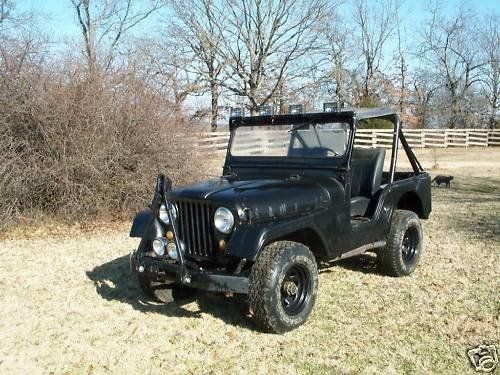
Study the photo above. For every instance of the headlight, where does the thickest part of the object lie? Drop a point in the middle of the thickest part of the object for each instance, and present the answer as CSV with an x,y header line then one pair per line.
x,y
223,220
172,250
163,213
159,246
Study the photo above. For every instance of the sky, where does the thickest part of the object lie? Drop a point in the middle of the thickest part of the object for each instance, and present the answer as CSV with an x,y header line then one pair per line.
x,y
61,24
58,21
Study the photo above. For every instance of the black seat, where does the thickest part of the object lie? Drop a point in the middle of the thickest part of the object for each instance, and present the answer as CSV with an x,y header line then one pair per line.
x,y
367,165
311,152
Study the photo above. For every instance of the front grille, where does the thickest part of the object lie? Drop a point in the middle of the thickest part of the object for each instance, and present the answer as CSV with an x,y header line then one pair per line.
x,y
195,227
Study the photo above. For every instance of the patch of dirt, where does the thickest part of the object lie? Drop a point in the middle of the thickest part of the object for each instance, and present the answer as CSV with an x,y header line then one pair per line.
x,y
70,304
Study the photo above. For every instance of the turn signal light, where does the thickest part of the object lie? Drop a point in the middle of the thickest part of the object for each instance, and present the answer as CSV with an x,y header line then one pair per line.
x,y
169,235
222,245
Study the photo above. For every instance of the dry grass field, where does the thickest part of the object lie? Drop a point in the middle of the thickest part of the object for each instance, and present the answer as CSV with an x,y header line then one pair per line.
x,y
70,305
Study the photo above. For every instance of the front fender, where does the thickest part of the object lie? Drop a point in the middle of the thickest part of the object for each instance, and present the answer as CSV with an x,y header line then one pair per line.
x,y
248,241
146,225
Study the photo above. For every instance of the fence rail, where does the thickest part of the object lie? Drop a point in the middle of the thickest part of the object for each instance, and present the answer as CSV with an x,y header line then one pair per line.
x,y
417,138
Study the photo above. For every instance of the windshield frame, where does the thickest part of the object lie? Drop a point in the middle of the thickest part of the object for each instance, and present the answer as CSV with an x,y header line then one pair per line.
x,y
338,162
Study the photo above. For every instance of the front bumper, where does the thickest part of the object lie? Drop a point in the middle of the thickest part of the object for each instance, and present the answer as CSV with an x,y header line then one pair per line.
x,y
164,271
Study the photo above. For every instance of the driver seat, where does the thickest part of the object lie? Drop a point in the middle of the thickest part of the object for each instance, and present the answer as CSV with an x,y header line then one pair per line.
x,y
367,165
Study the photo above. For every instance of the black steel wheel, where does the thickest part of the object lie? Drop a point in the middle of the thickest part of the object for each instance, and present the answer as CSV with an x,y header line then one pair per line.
x,y
283,286
295,287
402,253
410,244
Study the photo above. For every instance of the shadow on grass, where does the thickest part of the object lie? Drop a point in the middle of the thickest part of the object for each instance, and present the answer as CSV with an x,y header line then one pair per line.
x,y
365,263
114,281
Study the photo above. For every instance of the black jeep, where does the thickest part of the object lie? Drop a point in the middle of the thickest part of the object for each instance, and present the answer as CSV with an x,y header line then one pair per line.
x,y
295,190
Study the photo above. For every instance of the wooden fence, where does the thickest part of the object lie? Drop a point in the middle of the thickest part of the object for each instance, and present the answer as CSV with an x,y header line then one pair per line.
x,y
417,138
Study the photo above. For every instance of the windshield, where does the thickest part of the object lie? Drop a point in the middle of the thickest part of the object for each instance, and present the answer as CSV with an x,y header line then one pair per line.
x,y
302,140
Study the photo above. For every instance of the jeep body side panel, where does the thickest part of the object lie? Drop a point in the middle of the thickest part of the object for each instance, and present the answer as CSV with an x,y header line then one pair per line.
x,y
411,193
364,232
329,222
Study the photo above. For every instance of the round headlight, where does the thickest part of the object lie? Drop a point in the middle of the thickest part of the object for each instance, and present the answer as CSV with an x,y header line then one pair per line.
x,y
223,220
172,250
163,213
159,246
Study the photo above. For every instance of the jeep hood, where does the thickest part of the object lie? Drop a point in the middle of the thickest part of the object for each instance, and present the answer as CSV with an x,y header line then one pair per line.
x,y
262,198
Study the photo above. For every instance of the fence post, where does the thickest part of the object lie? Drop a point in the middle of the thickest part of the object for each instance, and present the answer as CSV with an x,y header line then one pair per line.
x,y
467,138
445,138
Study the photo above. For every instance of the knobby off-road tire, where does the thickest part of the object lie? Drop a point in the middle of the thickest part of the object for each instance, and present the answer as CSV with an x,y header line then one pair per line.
x,y
282,287
402,253
160,291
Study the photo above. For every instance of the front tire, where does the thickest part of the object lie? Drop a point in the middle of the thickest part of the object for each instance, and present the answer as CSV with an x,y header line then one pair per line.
x,y
163,292
402,253
283,286
159,292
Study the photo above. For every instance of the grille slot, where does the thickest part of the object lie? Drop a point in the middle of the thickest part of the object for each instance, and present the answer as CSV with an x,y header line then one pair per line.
x,y
195,227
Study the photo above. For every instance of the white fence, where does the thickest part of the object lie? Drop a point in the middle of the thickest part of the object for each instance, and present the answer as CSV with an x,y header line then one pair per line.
x,y
417,138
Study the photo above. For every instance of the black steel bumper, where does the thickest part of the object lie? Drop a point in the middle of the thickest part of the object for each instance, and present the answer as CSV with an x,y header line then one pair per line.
x,y
162,270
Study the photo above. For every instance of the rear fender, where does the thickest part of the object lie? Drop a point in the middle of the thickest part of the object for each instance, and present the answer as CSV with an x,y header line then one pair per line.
x,y
146,225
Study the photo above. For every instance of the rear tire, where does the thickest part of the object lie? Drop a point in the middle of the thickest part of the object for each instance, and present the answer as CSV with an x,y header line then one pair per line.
x,y
282,286
402,253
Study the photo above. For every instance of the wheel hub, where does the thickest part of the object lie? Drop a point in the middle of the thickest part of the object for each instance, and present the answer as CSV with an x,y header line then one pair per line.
x,y
290,288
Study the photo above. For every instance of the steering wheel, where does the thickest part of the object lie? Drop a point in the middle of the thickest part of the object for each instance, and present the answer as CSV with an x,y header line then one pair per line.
x,y
335,153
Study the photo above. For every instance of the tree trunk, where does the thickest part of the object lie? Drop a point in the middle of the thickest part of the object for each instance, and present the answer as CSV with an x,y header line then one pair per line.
x,y
215,105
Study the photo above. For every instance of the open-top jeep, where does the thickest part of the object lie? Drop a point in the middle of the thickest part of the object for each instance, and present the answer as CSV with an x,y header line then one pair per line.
x,y
295,190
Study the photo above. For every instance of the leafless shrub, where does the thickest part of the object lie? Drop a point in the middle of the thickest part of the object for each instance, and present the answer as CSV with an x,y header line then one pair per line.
x,y
80,149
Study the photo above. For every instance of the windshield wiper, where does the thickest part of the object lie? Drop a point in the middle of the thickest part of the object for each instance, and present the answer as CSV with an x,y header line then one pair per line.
x,y
300,126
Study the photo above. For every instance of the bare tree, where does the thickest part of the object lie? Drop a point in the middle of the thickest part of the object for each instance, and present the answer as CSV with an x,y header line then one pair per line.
x,y
9,16
449,45
402,66
160,66
490,46
103,23
20,40
197,30
375,24
424,88
5,9
338,49
263,40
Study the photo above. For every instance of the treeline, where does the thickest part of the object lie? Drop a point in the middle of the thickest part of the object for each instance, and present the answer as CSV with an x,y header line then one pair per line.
x,y
86,127
443,72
